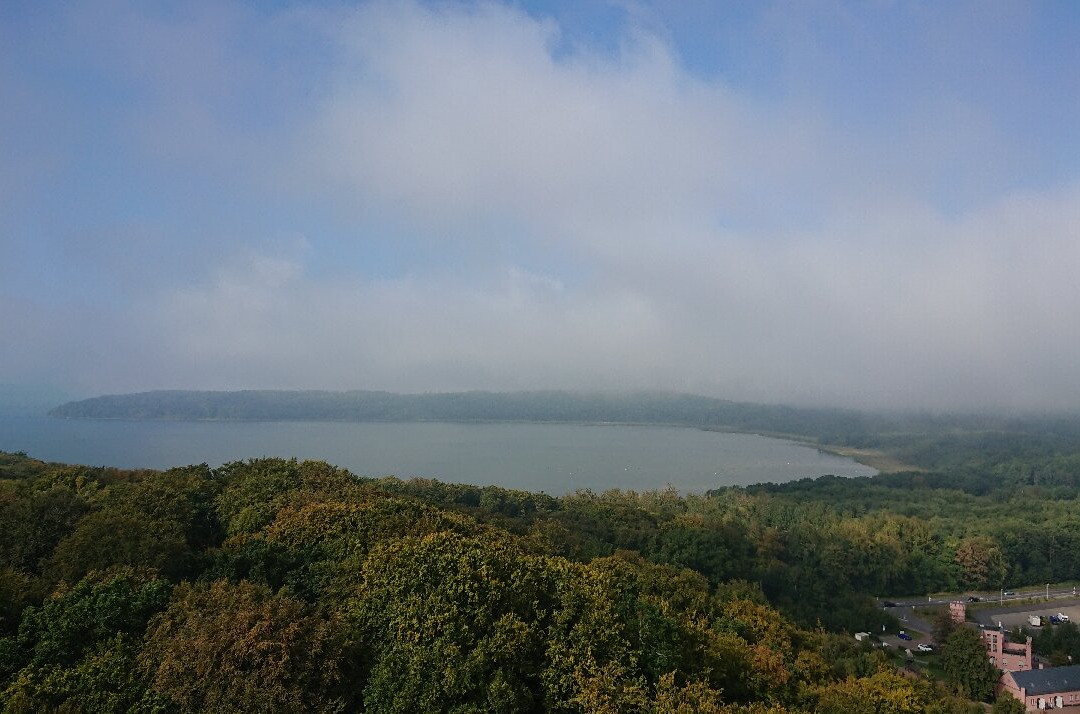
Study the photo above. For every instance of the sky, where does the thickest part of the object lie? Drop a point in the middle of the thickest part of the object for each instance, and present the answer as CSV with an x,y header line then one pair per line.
x,y
866,204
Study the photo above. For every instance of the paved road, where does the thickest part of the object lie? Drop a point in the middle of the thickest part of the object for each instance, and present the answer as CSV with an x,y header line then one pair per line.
x,y
999,597
910,618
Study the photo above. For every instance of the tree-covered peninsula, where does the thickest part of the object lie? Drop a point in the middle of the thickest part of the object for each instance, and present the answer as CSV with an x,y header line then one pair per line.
x,y
539,406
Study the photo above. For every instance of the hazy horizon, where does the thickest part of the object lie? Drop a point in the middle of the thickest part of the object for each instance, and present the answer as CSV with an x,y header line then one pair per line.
x,y
836,204
38,400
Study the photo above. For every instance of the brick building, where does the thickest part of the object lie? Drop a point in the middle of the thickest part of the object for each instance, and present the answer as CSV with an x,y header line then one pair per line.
x,y
1007,656
1054,688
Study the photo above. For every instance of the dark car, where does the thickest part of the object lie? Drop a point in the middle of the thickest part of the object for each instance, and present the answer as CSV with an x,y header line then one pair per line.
x,y
888,603
904,636
974,598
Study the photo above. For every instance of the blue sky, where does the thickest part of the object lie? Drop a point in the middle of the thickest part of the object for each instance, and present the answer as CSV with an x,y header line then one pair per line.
x,y
864,204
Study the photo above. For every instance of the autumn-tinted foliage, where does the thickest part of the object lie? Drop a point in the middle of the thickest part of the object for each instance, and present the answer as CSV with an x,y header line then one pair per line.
x,y
274,585
223,647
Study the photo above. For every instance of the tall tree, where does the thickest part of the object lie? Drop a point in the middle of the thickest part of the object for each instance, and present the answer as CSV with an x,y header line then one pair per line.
x,y
943,626
981,562
967,666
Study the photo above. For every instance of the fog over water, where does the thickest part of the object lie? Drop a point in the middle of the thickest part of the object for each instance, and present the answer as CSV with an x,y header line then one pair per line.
x,y
835,203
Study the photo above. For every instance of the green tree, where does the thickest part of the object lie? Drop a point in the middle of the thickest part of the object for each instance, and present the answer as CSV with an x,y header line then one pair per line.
x,y
1008,704
61,629
106,681
120,537
182,496
18,589
883,693
981,562
32,524
454,622
255,491
943,625
76,652
967,666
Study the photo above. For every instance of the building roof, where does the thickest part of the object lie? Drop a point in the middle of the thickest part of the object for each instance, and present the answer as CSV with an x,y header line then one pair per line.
x,y
1046,681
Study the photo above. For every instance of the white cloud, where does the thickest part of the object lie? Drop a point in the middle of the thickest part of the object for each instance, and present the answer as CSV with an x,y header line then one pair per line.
x,y
583,219
967,313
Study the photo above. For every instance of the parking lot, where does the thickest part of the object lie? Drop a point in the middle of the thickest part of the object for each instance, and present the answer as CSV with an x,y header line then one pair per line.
x,y
1014,617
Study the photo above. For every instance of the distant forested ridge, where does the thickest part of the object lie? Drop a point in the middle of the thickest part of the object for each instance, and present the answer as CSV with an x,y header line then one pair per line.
x,y
541,406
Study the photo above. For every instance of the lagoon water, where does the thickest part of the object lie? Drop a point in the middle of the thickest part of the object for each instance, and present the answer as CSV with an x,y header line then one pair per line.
x,y
554,458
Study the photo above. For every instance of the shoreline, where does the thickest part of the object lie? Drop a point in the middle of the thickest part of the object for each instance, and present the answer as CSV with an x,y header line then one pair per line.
x,y
872,458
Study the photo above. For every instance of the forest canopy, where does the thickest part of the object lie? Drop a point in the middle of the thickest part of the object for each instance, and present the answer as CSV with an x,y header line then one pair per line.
x,y
297,586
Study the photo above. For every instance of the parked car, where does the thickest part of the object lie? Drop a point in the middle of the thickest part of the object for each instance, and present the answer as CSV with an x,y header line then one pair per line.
x,y
974,598
1063,617
903,635
925,648
888,603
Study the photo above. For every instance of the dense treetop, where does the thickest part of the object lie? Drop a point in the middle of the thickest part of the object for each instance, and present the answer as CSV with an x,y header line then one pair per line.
x,y
297,586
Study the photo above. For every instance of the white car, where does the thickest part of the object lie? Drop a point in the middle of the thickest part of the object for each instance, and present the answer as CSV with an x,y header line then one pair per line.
x,y
925,648
1063,617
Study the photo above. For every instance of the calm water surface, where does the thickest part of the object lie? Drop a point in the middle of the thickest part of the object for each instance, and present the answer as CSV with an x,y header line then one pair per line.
x,y
555,458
